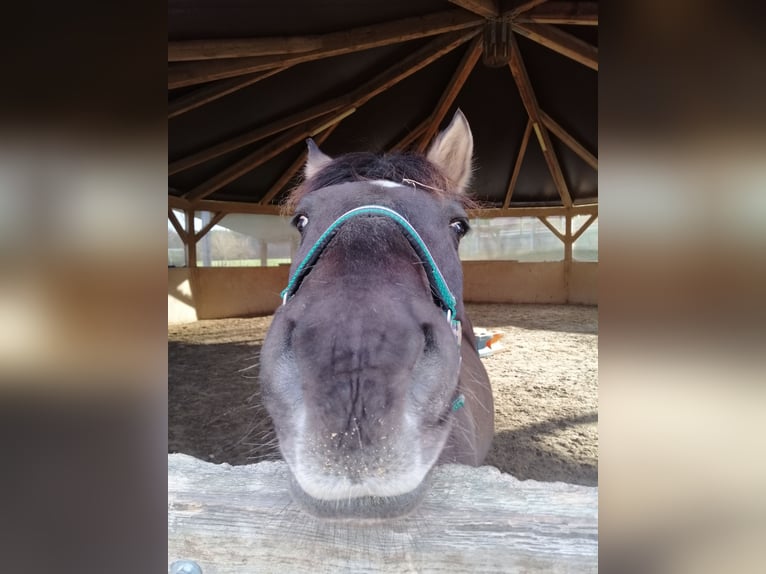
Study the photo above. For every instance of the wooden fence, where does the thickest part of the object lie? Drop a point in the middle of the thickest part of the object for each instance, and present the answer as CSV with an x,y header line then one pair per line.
x,y
241,520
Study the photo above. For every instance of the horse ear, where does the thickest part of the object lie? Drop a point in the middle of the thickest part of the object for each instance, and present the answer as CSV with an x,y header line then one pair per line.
x,y
315,160
452,150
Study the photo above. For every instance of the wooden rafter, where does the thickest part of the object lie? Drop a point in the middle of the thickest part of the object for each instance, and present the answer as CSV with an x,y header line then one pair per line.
x,y
252,160
189,50
517,165
522,7
527,94
411,64
561,42
285,178
178,202
549,225
190,73
177,225
217,217
569,141
484,8
416,61
204,95
453,88
252,136
238,207
411,136
568,13
584,227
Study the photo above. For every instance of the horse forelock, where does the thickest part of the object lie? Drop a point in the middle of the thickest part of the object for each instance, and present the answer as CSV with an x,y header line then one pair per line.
x,y
405,168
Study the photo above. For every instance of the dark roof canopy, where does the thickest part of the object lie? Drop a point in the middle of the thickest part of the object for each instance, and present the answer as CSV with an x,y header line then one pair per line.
x,y
250,81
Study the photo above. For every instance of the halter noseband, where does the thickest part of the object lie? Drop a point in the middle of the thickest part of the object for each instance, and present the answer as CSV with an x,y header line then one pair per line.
x,y
441,292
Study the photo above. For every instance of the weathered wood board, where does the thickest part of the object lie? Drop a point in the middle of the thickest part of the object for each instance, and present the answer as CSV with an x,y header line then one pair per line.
x,y
240,519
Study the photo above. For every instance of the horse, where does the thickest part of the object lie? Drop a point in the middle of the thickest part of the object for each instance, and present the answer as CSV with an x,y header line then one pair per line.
x,y
370,370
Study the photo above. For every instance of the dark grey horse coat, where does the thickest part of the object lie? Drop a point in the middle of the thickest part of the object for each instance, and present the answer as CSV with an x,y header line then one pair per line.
x,y
361,370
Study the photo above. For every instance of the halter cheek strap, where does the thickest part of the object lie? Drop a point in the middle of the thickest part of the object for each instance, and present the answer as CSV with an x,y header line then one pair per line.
x,y
441,292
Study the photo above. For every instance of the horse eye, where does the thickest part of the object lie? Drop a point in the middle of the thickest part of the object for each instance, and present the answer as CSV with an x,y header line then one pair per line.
x,y
300,222
460,227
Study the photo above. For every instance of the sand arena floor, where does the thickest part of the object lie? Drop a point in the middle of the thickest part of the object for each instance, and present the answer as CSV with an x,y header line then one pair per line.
x,y
544,377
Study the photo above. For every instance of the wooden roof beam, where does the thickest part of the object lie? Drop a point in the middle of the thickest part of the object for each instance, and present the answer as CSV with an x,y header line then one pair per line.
x,y
363,37
584,226
569,141
567,13
207,94
410,136
345,42
285,178
483,8
524,211
520,76
561,42
175,202
414,62
517,165
454,86
521,7
177,225
533,211
189,50
253,160
227,207
217,217
544,220
258,134
411,64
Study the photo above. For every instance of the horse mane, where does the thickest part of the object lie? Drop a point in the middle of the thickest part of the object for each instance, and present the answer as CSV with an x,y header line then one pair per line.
x,y
407,168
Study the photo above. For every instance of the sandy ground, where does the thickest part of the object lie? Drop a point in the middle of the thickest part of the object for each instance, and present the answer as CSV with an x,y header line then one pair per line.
x,y
544,377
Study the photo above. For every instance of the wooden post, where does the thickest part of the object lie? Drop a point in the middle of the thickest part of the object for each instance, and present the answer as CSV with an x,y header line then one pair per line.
x,y
204,245
191,240
568,253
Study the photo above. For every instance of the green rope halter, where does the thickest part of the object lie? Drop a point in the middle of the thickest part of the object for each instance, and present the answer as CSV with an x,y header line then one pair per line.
x,y
439,288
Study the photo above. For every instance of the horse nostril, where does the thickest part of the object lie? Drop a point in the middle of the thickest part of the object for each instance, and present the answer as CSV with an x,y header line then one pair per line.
x,y
430,338
289,334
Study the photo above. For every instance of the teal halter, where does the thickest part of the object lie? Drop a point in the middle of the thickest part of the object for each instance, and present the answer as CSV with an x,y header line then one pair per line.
x,y
441,292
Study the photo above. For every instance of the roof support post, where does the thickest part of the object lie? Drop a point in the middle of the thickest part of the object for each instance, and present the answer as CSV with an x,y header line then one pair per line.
x,y
191,240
